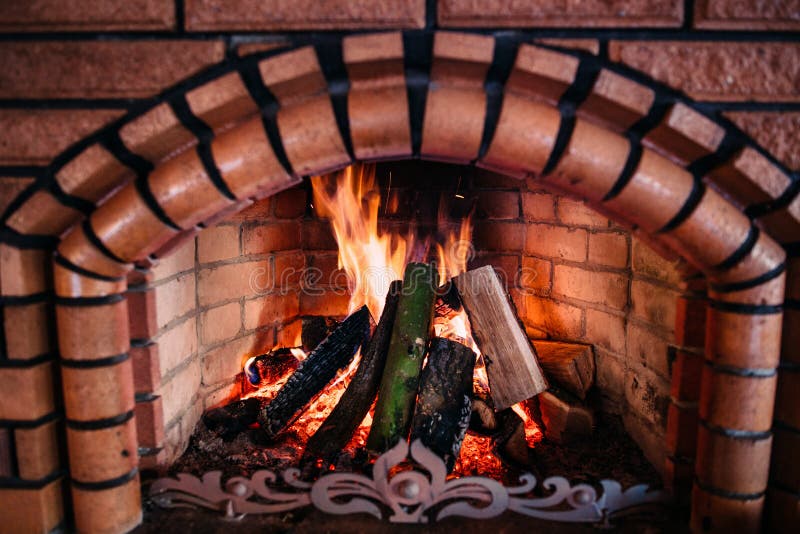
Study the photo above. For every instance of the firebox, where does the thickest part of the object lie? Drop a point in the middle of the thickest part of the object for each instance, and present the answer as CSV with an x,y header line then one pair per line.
x,y
597,284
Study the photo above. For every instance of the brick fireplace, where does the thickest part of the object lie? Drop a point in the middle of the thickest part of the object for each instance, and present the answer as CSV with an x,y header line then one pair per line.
x,y
139,263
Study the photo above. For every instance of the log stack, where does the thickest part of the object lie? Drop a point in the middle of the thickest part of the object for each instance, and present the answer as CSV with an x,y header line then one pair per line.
x,y
431,402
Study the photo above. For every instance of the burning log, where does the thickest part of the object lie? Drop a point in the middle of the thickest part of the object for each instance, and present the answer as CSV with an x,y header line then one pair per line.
x,y
569,365
511,365
269,367
398,389
355,402
333,354
233,418
444,402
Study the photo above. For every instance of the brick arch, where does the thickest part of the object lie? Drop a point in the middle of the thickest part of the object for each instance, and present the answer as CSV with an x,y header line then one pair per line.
x,y
632,151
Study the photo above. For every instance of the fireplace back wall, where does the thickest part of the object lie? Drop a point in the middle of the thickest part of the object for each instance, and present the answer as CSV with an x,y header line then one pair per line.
x,y
102,63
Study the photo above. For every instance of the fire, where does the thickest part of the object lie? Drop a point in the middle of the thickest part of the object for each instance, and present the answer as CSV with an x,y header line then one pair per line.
x,y
372,259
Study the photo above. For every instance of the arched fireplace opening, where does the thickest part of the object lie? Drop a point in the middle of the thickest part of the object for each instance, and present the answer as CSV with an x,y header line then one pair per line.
x,y
634,153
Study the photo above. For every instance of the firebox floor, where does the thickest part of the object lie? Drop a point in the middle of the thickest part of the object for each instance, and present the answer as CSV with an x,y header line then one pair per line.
x,y
609,454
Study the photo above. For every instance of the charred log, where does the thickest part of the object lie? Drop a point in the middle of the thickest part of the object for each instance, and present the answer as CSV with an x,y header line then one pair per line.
x,y
356,401
268,368
398,389
444,403
234,418
319,368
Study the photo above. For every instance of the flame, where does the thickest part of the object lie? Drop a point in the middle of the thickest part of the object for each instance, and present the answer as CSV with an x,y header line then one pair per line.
x,y
372,259
351,200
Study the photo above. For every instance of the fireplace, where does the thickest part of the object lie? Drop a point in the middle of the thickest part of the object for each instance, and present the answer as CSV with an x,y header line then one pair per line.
x,y
650,232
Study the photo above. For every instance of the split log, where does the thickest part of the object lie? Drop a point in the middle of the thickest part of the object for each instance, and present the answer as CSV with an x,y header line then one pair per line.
x,y
313,373
444,402
511,364
565,419
510,441
314,330
338,428
398,389
569,365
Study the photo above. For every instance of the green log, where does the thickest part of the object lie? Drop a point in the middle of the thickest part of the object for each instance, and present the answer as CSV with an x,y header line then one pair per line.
x,y
398,390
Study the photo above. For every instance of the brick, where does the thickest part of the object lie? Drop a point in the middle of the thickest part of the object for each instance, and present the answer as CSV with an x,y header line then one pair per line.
x,y
616,101
577,213
535,275
481,178
174,299
776,131
271,309
648,348
179,260
682,430
253,47
93,174
10,188
265,239
218,243
180,432
609,249
32,510
289,335
23,271
177,345
685,135
233,281
28,392
718,70
220,323
82,15
35,136
179,392
499,236
540,207
542,13
648,437
221,396
686,372
156,134
222,102
748,178
753,15
505,265
587,45
289,271
101,69
606,330
647,395
260,210
317,235
259,15
654,304
146,367
611,377
498,205
610,289
290,204
29,330
556,242
328,303
30,218
38,450
690,321
558,319
227,361
142,319
323,271
150,423
648,262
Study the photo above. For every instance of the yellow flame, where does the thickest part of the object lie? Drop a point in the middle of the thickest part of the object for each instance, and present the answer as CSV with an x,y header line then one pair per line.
x,y
373,259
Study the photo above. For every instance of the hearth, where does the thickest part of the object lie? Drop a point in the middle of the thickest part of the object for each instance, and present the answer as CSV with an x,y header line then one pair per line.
x,y
193,255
